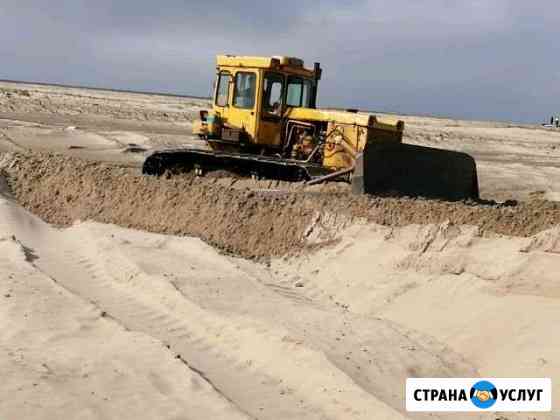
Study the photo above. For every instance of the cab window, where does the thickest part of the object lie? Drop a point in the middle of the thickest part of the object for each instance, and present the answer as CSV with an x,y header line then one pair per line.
x,y
222,90
293,97
306,93
273,92
299,92
245,84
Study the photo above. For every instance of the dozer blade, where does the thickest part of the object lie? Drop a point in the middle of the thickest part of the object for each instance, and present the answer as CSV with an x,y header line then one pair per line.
x,y
415,171
268,167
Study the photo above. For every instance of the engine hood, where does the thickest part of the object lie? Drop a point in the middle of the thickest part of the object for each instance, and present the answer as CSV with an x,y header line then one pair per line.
x,y
344,117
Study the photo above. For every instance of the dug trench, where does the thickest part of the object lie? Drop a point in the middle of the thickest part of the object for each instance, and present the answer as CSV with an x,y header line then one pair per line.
x,y
240,217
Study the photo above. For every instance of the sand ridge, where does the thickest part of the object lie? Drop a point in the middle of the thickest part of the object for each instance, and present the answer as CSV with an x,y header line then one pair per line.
x,y
248,221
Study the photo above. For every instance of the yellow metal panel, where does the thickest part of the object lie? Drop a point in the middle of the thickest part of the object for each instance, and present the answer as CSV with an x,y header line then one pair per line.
x,y
242,118
344,117
288,65
269,133
337,158
309,114
243,61
343,143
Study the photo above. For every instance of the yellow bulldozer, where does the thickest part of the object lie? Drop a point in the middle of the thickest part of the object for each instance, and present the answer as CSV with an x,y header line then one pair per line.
x,y
265,124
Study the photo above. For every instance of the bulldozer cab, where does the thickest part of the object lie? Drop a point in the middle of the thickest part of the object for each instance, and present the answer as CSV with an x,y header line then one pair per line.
x,y
252,94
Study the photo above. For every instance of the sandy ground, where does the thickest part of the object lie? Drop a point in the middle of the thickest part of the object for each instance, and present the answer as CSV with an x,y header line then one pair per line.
x,y
514,161
103,321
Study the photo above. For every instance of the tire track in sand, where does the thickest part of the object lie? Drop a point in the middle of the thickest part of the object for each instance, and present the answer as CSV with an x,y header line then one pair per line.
x,y
58,323
279,379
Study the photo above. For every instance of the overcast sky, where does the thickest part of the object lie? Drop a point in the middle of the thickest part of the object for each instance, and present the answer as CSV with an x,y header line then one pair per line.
x,y
483,59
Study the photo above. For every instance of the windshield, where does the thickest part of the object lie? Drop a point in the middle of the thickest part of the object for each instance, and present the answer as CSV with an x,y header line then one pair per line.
x,y
245,84
299,92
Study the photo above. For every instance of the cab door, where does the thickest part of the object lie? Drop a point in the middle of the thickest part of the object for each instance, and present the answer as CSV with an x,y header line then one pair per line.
x,y
272,107
222,94
242,114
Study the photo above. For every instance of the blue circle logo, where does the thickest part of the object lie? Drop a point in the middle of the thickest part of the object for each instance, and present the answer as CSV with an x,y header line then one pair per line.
x,y
484,394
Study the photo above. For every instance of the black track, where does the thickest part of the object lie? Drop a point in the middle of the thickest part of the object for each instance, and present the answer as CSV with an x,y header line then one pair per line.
x,y
268,167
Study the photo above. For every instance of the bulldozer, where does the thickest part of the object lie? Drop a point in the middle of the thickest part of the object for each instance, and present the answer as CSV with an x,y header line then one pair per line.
x,y
265,123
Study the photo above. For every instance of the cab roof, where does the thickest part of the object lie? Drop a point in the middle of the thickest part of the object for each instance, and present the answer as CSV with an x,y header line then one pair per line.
x,y
281,63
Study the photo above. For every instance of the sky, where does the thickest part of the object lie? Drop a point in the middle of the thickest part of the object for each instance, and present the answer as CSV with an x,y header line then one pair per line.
x,y
473,59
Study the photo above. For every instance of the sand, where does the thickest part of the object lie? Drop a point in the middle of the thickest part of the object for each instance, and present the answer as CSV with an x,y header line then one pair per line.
x,y
514,161
240,217
267,301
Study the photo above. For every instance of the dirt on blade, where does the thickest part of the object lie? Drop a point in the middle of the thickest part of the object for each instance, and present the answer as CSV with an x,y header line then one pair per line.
x,y
238,216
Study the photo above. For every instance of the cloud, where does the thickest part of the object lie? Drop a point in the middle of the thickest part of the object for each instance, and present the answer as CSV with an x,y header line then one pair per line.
x,y
472,58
